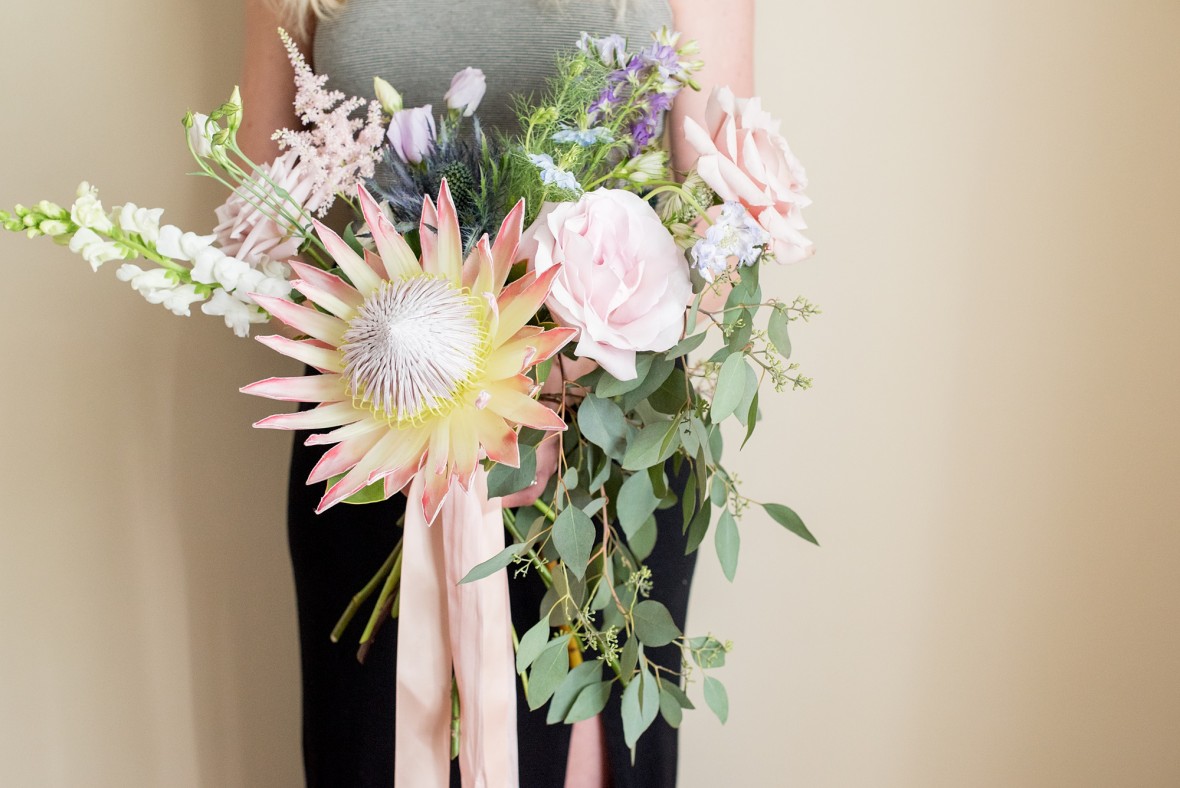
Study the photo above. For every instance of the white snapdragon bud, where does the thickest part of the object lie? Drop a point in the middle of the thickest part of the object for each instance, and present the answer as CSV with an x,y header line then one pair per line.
x,y
147,283
145,222
95,249
87,211
178,299
238,315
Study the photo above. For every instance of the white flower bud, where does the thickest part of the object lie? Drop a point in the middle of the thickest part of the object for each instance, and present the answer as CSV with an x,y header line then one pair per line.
x,y
387,96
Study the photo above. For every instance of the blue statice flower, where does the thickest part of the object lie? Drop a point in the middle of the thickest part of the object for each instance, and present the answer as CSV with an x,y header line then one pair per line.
x,y
735,234
553,175
583,137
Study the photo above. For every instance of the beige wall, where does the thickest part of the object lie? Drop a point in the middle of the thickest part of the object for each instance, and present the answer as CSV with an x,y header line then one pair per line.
x,y
988,456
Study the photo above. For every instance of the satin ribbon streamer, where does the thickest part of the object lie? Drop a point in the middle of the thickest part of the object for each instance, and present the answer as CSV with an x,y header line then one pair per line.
x,y
468,628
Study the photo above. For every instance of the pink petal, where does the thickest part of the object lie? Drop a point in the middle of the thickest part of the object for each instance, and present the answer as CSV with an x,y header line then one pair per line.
x,y
450,242
305,388
478,269
324,416
309,351
507,245
345,433
522,409
327,290
437,487
360,273
497,438
344,456
309,321
396,254
519,305
428,236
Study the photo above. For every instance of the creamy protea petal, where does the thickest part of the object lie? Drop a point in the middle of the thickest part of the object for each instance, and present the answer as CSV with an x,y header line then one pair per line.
x,y
428,236
518,305
360,273
525,350
308,388
396,254
510,403
344,456
464,446
435,494
478,268
450,241
331,415
498,439
327,290
315,324
366,425
310,351
507,245
357,477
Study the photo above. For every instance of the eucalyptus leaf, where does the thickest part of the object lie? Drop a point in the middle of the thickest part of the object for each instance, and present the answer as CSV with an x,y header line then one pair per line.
x,y
643,541
603,424
776,330
743,329
751,420
641,704
728,542
673,690
531,645
673,395
731,387
717,698
687,345
661,369
751,391
636,502
654,625
629,658
594,507
654,444
494,564
670,708
698,527
505,480
610,386
708,652
548,671
786,517
576,680
573,536
589,703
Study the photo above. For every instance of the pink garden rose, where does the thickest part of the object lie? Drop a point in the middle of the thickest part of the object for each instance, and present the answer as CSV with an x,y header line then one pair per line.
x,y
745,159
623,283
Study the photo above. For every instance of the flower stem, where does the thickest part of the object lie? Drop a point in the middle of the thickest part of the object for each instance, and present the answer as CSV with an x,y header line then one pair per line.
x,y
362,595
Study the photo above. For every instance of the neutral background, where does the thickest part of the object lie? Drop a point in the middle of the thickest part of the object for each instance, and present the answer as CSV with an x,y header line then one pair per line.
x,y
989,455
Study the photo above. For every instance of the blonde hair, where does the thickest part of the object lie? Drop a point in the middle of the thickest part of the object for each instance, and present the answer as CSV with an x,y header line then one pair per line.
x,y
298,13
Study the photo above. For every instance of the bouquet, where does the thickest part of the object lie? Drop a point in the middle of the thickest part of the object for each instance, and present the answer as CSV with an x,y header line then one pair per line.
x,y
449,327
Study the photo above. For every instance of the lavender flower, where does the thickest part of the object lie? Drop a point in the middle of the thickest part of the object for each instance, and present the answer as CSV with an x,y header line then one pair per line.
x,y
611,50
553,175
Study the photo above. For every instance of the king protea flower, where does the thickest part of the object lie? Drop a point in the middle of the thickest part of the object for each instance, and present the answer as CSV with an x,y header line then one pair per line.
x,y
421,362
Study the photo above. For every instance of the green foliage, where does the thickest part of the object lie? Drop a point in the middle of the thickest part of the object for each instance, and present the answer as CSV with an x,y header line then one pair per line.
x,y
573,536
654,625
717,698
505,480
786,517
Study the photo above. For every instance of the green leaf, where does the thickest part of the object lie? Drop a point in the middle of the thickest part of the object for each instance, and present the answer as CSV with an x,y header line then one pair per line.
x,y
654,444
641,704
541,372
654,625
688,345
742,411
751,421
786,517
718,492
661,368
643,541
589,703
505,480
373,493
494,564
671,397
731,387
636,502
669,707
570,478
717,698
728,541
776,330
576,680
573,536
603,424
531,645
594,507
548,671
740,338
669,688
708,652
699,526
629,658
693,312
610,386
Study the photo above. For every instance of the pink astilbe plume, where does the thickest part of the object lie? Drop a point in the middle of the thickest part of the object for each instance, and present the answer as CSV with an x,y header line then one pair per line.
x,y
339,150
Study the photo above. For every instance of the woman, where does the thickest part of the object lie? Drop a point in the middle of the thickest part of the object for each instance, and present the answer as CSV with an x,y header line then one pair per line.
x,y
348,716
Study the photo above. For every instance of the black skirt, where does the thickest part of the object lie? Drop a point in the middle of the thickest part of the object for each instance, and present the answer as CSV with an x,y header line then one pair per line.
x,y
348,708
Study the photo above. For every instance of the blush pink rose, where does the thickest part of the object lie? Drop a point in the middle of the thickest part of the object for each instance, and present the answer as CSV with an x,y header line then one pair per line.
x,y
624,282
745,159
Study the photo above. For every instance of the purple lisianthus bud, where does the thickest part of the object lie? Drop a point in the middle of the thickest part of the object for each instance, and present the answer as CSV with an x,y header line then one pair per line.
x,y
411,133
467,89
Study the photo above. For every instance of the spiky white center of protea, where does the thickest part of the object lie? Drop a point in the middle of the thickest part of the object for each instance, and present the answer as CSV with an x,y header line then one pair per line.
x,y
414,347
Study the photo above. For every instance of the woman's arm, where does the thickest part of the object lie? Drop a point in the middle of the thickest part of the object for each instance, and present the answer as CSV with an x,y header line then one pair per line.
x,y
725,31
268,89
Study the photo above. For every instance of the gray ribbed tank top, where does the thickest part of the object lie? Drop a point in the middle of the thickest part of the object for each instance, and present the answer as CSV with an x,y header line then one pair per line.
x,y
417,46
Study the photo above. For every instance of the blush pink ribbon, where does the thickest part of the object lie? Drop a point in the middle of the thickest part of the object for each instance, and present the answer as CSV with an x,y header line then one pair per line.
x,y
443,627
